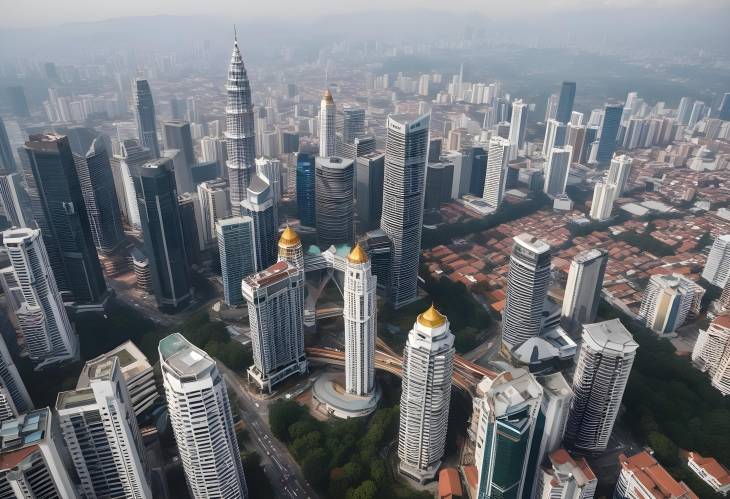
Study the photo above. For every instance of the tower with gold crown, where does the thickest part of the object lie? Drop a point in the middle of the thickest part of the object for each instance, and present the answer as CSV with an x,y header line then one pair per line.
x,y
327,112
290,248
428,360
359,313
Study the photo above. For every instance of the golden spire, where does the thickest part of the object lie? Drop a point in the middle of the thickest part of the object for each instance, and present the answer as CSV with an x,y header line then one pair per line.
x,y
327,96
431,318
289,238
357,255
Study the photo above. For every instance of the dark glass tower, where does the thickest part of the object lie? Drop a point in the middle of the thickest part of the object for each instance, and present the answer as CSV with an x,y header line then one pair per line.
x,y
565,103
370,173
18,102
478,171
609,131
259,205
305,189
163,235
7,161
60,212
146,120
177,136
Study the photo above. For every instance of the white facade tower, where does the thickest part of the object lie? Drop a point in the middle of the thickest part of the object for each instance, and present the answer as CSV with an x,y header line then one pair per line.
x,y
717,268
327,124
201,419
238,259
583,288
428,360
604,194
359,313
712,353
618,173
557,170
518,126
495,177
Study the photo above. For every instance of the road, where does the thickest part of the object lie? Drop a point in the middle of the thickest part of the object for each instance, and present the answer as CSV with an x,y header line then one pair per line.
x,y
283,472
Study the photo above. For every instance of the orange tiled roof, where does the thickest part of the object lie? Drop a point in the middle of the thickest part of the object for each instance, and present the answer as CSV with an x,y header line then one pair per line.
x,y
449,484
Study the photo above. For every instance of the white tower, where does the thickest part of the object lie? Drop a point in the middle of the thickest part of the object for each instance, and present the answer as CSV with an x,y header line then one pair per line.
x,y
327,139
583,288
557,169
717,268
618,173
495,177
359,314
712,353
428,360
604,195
517,126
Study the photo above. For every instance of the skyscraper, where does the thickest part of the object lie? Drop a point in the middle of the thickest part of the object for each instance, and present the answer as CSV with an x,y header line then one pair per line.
x,y
201,419
583,289
557,170
370,177
608,132
717,267
290,248
163,235
18,102
359,314
495,177
527,285
7,161
554,136
259,205
723,111
618,173
12,389
132,157
100,197
144,108
565,102
327,122
602,370
353,125
236,248
15,200
42,319
101,433
334,186
240,130
604,194
275,300
712,353
428,361
518,125
214,206
306,202
177,136
510,429
58,208
668,301
683,110
406,149
191,221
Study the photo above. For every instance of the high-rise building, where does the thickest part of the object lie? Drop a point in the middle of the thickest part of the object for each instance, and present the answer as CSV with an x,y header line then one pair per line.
x,y
177,136
565,102
306,201
406,149
259,205
201,419
240,131
717,267
555,132
428,361
214,206
723,111
100,198
334,186
360,324
565,477
518,125
101,433
18,102
642,476
527,285
478,169
42,318
132,157
495,177
353,125
15,200
58,208
551,108
144,108
14,397
236,248
327,123
583,288
557,170
7,161
712,353
162,229
370,176
618,173
270,169
33,459
668,301
290,248
604,194
602,371
608,132
698,112
683,110
575,138
510,429
275,300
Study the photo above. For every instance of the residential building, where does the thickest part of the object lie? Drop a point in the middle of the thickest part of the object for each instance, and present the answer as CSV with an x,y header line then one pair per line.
x,y
608,132
618,173
14,397
554,137
710,471
583,288
557,170
668,301
238,260
565,477
214,206
642,476
712,353
259,206
144,108
495,177
15,200
518,126
604,194
335,200
717,267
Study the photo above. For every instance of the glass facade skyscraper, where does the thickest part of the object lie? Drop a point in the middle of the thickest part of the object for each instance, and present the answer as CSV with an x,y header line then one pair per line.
x,y
305,189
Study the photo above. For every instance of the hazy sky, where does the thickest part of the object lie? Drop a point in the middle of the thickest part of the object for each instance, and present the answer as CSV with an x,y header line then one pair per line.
x,y
18,13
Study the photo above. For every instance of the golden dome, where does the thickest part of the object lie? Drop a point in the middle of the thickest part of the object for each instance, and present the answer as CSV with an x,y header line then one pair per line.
x,y
327,96
289,238
357,255
431,318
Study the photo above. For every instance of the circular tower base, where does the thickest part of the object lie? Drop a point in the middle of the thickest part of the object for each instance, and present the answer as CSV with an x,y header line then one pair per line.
x,y
329,390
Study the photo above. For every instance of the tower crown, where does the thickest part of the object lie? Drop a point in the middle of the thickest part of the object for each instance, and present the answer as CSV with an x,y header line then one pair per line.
x,y
327,96
431,318
357,255
289,238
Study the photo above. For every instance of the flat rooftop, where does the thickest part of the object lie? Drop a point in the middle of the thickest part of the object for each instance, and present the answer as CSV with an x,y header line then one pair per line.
x,y
610,335
183,357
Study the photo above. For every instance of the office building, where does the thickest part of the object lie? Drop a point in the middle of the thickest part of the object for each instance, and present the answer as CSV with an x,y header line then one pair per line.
x,y
565,477
608,132
178,137
565,102
602,371
236,248
618,173
42,319
240,131
555,136
100,198
7,160
359,312
557,170
575,137
334,186
353,124
551,108
290,248
478,169
642,476
33,459
15,200
214,206
377,245
144,108
428,361
327,124
495,177
406,149
164,242
132,157
101,433
306,201
201,419
717,267
191,221
604,194
275,298
518,126
710,471
583,288
697,113
58,208
18,102
668,301
527,285
270,170
723,111
439,177
259,206
509,431
711,353
370,175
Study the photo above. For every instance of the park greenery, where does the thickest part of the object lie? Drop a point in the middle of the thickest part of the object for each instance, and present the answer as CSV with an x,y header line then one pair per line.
x,y
343,459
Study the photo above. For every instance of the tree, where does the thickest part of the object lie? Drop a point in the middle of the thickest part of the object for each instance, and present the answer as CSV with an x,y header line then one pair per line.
x,y
664,449
314,467
302,446
283,414
366,490
378,472
353,472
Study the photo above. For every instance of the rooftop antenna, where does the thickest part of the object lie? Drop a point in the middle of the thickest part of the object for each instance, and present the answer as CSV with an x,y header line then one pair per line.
x,y
235,35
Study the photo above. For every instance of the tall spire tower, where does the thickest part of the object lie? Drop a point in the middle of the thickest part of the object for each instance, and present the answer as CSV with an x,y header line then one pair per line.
x,y
240,130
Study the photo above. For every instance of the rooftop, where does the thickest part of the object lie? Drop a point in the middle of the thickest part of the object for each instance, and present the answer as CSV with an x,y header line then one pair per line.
x,y
449,484
19,437
532,243
654,477
711,467
183,357
511,390
431,318
277,272
610,335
